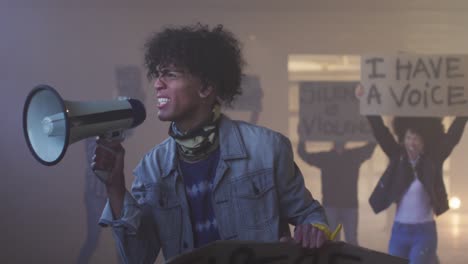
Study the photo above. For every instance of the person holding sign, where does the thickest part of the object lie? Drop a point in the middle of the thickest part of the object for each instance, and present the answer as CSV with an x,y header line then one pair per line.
x,y
414,85
213,178
414,181
340,171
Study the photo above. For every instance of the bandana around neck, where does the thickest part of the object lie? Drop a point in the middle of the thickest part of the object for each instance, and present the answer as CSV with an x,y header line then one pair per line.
x,y
196,144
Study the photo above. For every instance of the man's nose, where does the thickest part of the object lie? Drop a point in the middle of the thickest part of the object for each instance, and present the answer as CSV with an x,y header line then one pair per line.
x,y
159,84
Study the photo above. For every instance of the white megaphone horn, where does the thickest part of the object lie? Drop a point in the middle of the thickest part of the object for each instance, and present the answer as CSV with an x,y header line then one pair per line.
x,y
50,123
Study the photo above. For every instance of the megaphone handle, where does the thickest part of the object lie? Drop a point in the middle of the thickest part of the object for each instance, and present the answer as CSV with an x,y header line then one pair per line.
x,y
116,135
102,175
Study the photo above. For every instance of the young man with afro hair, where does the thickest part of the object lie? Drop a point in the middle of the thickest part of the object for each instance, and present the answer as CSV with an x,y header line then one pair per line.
x,y
213,178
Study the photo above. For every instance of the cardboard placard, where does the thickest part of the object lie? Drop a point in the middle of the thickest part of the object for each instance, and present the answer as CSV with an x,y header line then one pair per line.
x,y
329,111
238,252
414,85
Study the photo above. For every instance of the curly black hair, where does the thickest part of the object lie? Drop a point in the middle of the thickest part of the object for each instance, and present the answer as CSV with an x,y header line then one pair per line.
x,y
430,129
213,55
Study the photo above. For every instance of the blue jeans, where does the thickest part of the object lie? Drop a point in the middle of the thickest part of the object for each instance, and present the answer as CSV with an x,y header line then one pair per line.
x,y
348,217
416,242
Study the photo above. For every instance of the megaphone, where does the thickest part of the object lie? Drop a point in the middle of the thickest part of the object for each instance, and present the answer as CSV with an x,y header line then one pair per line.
x,y
50,123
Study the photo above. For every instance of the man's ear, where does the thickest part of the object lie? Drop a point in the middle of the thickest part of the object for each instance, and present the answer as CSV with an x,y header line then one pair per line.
x,y
206,91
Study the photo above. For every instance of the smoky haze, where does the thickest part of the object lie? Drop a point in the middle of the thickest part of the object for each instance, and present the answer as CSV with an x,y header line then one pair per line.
x,y
76,49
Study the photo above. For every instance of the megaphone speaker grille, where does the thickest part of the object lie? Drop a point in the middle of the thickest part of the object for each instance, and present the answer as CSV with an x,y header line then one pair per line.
x,y
45,125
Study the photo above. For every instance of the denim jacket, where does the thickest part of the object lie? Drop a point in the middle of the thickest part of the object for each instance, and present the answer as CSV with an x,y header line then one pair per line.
x,y
257,191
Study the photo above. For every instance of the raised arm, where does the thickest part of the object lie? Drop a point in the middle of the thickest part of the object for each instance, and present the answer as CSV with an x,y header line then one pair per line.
x,y
131,221
134,231
383,136
363,153
452,137
315,159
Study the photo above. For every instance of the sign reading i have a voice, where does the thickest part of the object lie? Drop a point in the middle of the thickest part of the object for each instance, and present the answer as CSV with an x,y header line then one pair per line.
x,y
414,85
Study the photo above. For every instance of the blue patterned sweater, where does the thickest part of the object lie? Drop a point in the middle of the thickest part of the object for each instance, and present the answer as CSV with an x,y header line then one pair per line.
x,y
198,180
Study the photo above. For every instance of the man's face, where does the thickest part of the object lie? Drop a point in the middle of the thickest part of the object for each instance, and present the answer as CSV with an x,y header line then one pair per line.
x,y
413,142
178,95
339,146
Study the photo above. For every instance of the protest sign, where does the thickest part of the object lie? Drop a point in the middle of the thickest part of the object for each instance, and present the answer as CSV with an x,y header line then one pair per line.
x,y
414,85
329,111
249,252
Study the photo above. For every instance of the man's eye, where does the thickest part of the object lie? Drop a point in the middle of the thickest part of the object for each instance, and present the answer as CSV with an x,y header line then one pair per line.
x,y
171,74
157,74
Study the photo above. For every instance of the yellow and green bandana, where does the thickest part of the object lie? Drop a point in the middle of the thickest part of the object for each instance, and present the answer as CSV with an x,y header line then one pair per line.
x,y
197,144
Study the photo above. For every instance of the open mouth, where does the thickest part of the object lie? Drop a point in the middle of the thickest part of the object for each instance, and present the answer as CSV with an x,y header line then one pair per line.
x,y
163,101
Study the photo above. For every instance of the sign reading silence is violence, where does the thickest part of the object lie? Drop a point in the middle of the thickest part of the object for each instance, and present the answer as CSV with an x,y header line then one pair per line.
x,y
329,111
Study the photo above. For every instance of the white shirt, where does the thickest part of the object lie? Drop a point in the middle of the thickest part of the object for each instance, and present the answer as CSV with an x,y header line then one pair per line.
x,y
415,206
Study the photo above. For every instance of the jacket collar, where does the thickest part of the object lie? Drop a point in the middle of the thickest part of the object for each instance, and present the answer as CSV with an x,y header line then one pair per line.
x,y
230,142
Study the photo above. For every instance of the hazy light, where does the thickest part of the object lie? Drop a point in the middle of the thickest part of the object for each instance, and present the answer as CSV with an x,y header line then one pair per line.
x,y
324,63
252,37
455,221
454,203
297,66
